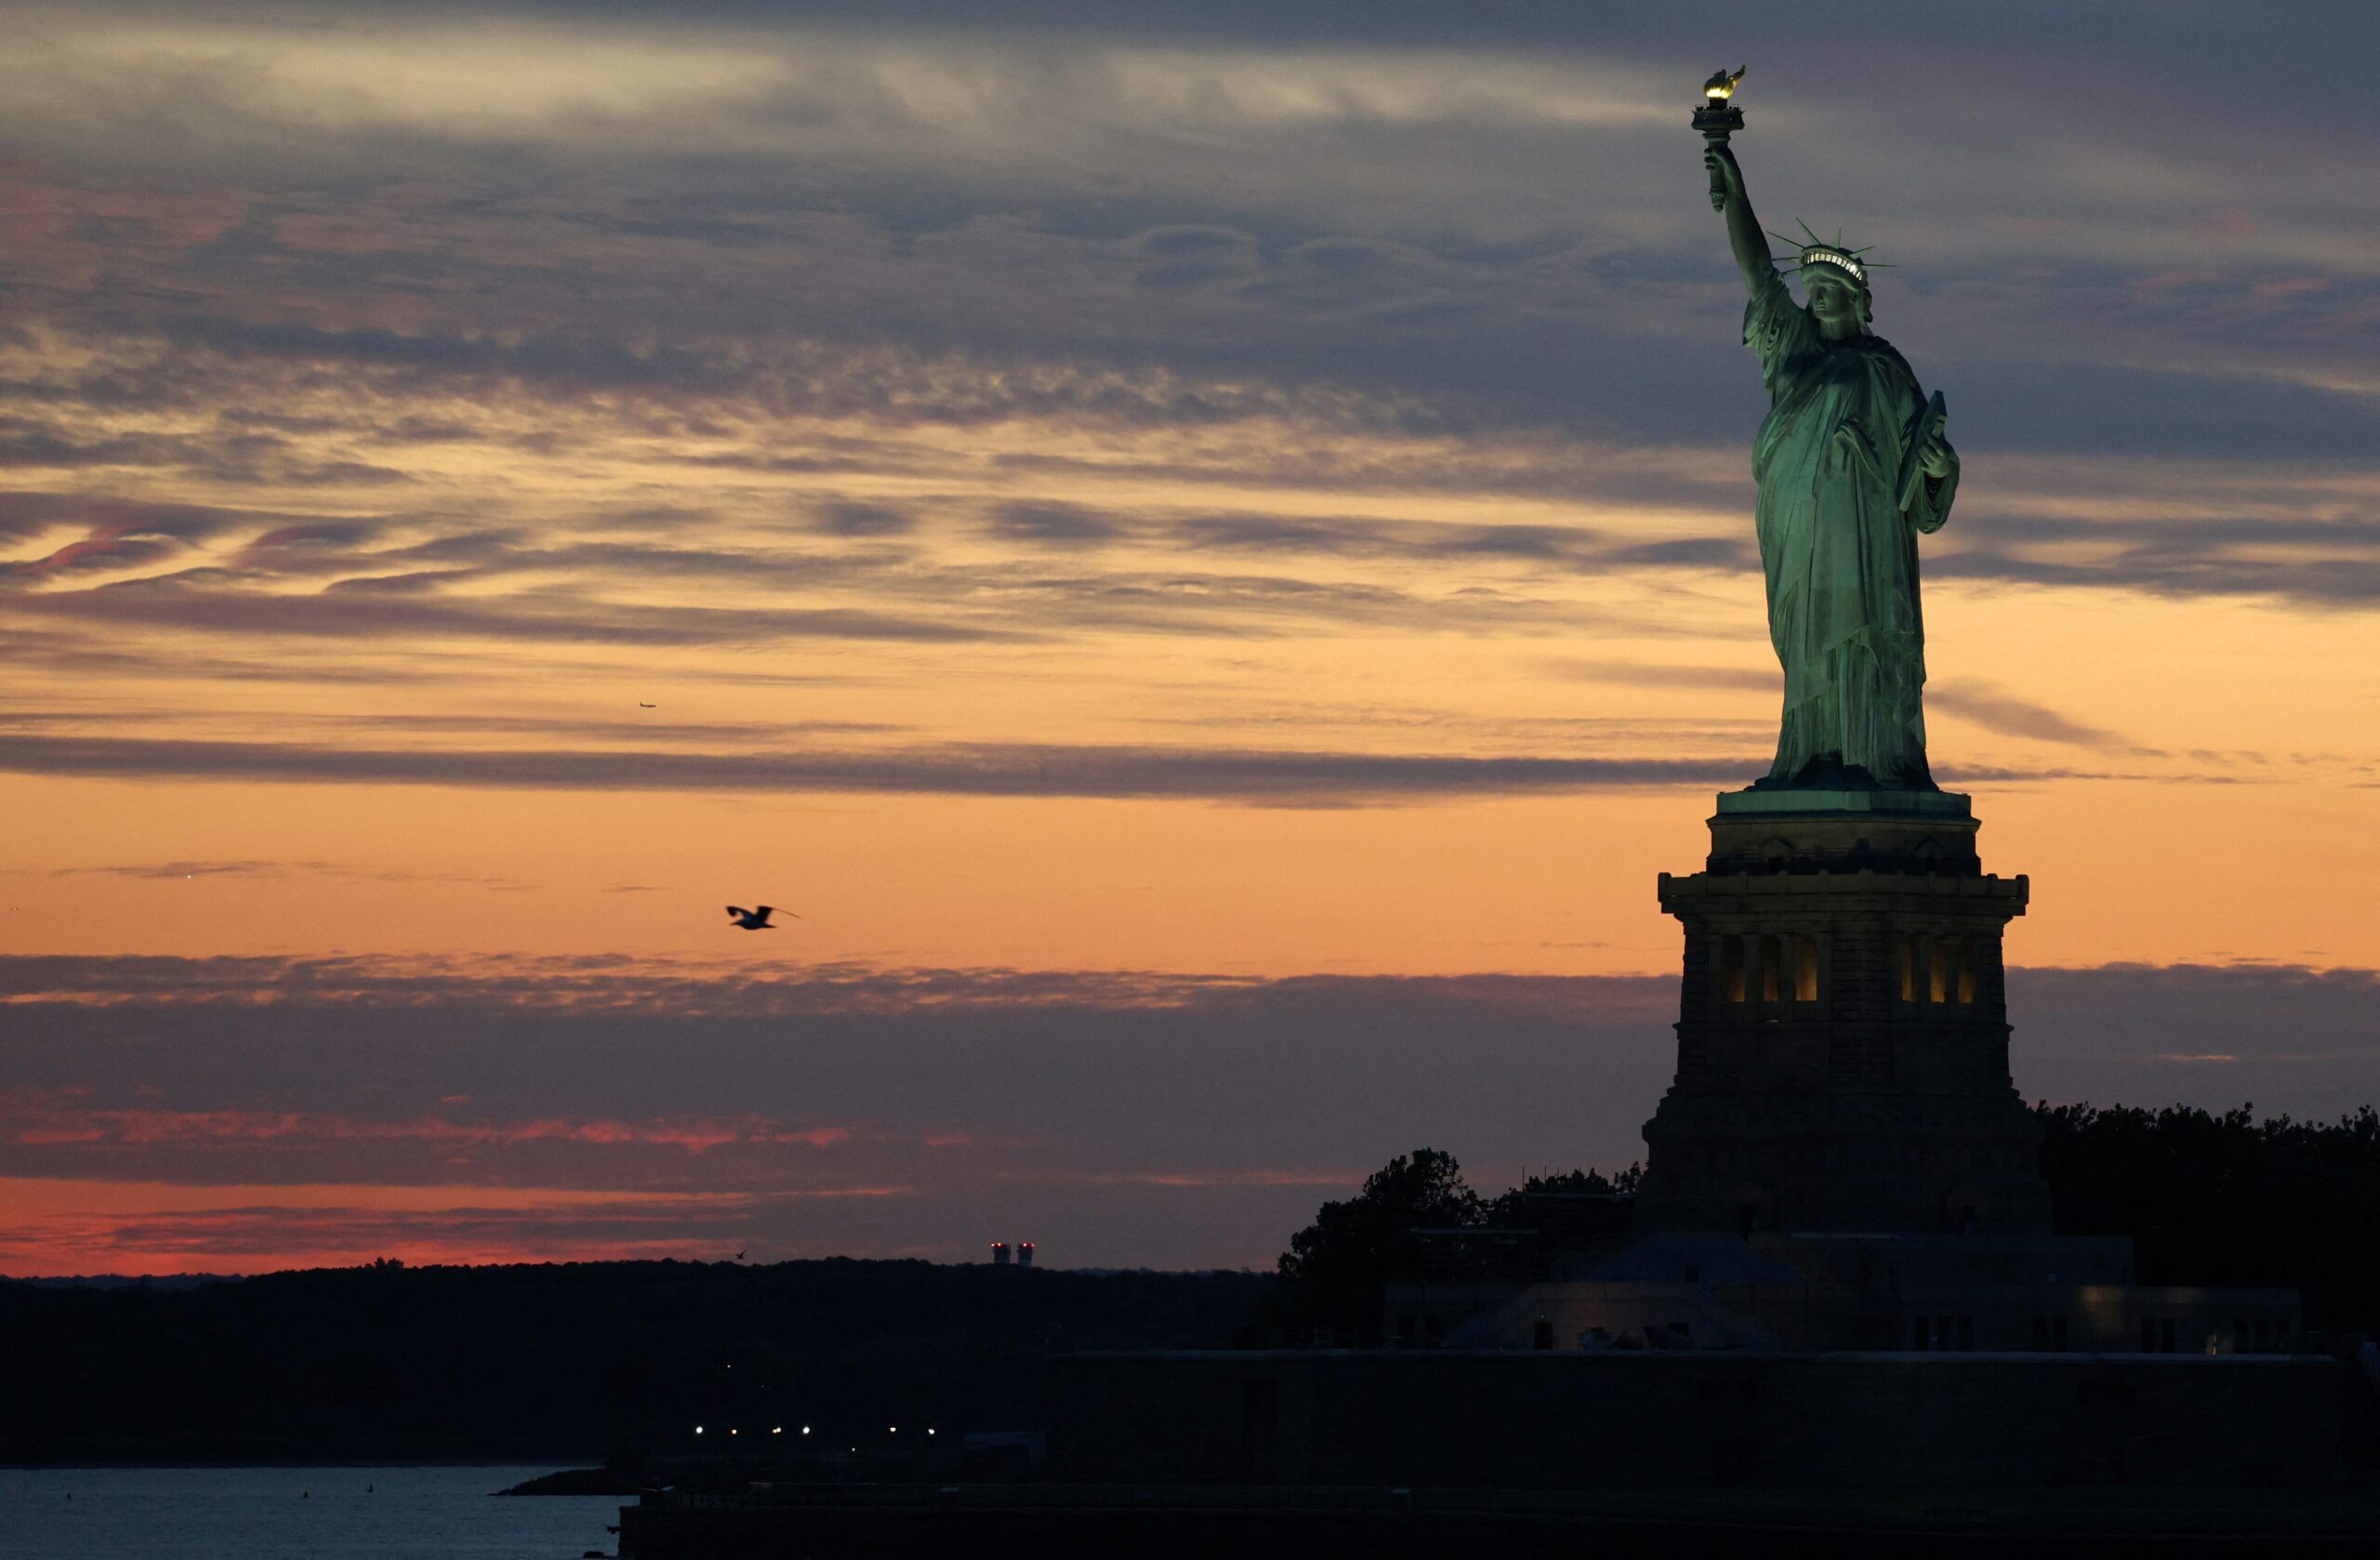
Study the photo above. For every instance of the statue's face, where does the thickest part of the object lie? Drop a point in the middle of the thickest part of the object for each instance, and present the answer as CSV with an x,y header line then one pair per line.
x,y
1834,303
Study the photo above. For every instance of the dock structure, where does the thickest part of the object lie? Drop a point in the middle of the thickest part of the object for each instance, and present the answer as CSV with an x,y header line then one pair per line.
x,y
1261,1522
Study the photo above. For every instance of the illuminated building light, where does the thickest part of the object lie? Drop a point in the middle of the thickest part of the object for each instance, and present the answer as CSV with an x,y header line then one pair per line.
x,y
1835,257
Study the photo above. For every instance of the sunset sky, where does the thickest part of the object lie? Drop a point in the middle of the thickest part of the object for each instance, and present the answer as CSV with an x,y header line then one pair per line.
x,y
1204,550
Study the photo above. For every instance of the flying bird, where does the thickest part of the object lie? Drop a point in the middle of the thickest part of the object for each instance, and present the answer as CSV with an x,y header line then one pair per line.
x,y
739,1256
641,704
756,920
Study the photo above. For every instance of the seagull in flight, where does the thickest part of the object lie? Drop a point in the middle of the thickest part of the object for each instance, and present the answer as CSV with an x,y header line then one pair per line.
x,y
755,920
641,704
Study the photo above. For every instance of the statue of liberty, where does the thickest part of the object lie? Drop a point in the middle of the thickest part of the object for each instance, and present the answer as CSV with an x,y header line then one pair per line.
x,y
1852,464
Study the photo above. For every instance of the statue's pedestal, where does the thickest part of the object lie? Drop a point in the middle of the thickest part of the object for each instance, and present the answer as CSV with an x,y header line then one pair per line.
x,y
1843,1035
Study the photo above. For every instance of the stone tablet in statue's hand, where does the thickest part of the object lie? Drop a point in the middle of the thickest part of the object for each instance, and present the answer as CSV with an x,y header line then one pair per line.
x,y
1936,460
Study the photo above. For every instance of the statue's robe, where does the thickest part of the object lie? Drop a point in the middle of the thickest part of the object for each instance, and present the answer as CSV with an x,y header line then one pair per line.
x,y
1840,554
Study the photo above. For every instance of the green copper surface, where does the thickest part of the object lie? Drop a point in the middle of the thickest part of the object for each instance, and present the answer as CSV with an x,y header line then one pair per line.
x,y
1852,467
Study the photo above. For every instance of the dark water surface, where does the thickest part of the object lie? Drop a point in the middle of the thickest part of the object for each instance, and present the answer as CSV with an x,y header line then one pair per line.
x,y
293,1513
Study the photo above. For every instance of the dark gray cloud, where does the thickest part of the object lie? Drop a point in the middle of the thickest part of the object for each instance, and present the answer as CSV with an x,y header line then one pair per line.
x,y
188,870
1056,525
1170,1119
1997,710
2310,559
848,518
118,535
194,870
1579,548
2312,581
2288,1037
2055,405
1645,675
548,618
1220,774
2165,39
86,655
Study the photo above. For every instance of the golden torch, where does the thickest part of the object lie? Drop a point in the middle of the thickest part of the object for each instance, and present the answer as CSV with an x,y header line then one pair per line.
x,y
1718,119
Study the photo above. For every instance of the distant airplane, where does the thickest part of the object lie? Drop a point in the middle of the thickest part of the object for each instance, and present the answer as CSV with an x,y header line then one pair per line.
x,y
755,920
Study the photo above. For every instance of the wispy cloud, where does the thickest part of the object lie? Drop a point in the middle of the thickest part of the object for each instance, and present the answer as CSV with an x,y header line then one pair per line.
x,y
1996,709
1266,777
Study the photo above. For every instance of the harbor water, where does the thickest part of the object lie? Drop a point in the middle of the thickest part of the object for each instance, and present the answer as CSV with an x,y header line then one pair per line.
x,y
294,1514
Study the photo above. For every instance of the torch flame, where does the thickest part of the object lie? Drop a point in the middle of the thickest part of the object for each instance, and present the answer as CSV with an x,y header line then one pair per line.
x,y
1722,85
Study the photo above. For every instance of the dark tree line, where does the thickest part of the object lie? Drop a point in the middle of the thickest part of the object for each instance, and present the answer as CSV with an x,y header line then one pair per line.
x,y
536,1361
578,1360
1335,1269
2228,1199
2216,1199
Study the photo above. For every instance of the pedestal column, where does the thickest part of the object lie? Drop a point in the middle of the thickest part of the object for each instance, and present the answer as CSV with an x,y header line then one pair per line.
x,y
1843,1033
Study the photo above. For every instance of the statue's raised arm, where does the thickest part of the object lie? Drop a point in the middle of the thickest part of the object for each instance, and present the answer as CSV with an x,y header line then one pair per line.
x,y
1744,235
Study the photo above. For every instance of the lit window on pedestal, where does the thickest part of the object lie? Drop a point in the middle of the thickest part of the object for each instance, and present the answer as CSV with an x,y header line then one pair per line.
x,y
1770,969
1731,969
1905,955
1805,969
1966,973
1938,986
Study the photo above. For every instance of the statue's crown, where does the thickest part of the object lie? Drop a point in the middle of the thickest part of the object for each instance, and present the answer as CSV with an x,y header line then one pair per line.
x,y
1819,253
1810,249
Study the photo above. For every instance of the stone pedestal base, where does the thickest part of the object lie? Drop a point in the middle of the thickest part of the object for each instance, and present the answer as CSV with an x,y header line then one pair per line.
x,y
1843,1035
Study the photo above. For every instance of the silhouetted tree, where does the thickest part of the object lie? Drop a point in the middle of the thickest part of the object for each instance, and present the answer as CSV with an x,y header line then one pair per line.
x,y
1507,1208
1336,1271
2228,1199
1337,1266
2207,1198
